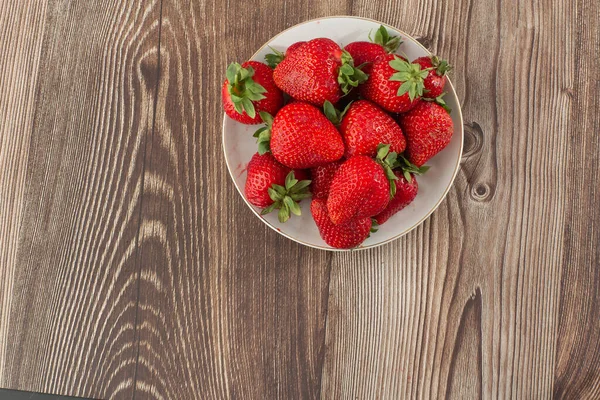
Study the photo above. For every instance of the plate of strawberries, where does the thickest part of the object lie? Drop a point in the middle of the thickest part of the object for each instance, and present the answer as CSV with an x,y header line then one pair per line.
x,y
342,133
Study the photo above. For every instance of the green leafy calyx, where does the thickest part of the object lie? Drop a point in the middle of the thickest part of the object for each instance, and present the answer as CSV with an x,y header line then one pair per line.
x,y
286,198
273,59
388,161
391,161
263,135
374,225
242,89
408,168
411,75
383,38
441,66
350,76
333,114
440,101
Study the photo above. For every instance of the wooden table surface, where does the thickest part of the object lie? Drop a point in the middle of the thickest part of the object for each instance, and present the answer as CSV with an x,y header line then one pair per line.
x,y
131,267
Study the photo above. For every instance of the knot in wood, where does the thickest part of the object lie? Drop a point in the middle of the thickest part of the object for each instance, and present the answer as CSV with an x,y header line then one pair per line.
x,y
481,192
473,141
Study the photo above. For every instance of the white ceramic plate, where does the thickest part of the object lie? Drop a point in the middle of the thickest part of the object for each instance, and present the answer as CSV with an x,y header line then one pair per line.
x,y
239,145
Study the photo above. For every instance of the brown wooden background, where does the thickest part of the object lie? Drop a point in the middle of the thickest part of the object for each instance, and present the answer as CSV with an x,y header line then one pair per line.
x,y
119,278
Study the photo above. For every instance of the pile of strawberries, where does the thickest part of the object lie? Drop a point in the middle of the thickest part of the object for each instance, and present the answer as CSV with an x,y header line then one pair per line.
x,y
358,161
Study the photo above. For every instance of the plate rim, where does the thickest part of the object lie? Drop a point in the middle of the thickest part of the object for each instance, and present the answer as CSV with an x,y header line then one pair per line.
x,y
406,231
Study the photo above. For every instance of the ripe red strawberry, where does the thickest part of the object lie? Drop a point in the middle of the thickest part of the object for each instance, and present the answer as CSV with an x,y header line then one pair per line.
x,y
293,47
406,191
436,79
341,236
369,52
362,187
365,53
263,171
364,126
318,70
274,186
394,84
301,137
428,129
321,179
249,89
273,59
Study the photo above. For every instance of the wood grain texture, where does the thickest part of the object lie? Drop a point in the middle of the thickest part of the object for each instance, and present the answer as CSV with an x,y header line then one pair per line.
x,y
469,304
131,268
222,313
577,372
21,30
74,285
